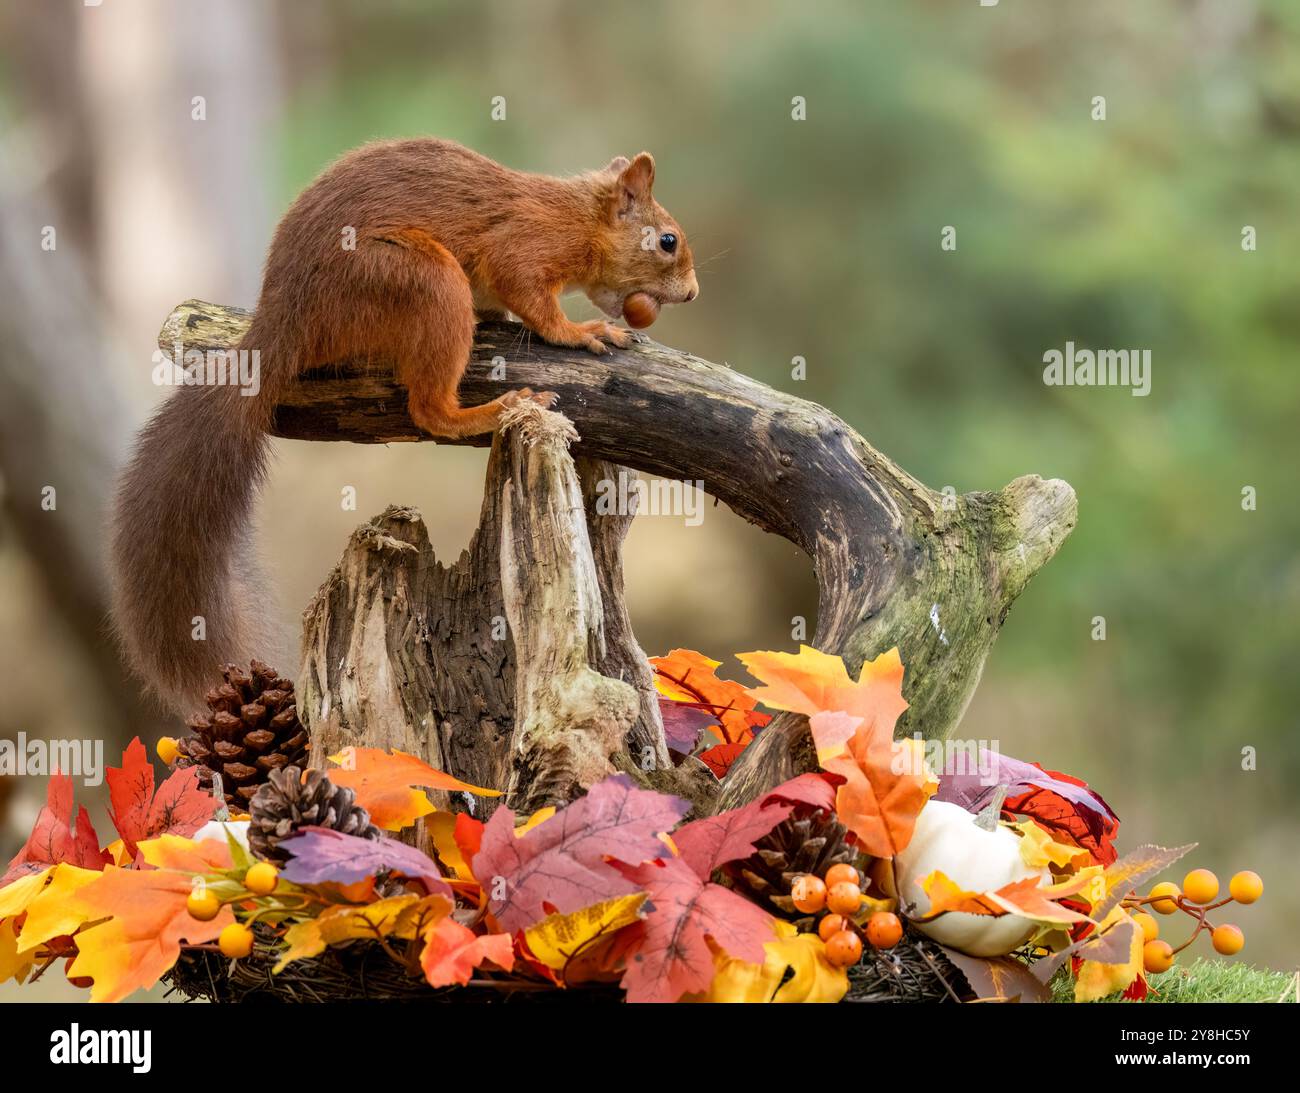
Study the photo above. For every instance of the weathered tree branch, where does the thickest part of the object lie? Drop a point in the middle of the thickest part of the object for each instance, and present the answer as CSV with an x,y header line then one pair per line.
x,y
897,563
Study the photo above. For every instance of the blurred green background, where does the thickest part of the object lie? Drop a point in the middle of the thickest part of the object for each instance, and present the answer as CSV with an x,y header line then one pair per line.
x,y
817,238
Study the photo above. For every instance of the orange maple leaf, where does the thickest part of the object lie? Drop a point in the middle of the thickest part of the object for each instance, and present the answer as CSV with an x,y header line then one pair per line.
x,y
811,682
1023,897
383,784
146,916
886,783
881,797
687,676
452,952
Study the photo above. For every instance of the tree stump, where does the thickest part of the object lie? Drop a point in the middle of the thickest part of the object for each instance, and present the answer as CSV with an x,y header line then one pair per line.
x,y
401,651
504,669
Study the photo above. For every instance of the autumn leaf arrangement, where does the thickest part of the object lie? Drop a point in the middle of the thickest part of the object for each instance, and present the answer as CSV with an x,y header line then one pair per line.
x,y
1010,872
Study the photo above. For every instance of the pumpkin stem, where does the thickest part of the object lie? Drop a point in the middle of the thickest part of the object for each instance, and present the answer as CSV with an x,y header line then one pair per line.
x,y
992,812
218,791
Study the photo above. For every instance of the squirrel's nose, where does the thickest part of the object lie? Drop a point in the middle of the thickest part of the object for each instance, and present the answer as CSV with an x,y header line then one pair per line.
x,y
694,290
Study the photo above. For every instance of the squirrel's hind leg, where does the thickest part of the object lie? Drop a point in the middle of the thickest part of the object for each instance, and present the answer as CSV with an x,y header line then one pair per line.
x,y
420,311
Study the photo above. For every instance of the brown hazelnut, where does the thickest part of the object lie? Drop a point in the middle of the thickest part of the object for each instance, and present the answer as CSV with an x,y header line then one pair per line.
x,y
640,310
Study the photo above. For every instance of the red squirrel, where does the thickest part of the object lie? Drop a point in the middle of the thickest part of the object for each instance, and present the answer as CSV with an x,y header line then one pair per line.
x,y
392,253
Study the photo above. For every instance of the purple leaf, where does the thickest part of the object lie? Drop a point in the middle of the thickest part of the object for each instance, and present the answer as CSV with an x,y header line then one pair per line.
x,y
1061,805
1000,977
321,855
973,789
683,723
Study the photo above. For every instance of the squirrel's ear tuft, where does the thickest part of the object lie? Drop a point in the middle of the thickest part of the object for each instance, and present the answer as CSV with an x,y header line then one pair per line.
x,y
638,177
632,183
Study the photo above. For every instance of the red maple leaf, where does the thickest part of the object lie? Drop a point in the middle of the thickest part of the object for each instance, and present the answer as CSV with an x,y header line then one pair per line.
x,y
56,838
816,789
1068,809
1138,990
562,864
179,807
468,835
720,757
714,841
686,914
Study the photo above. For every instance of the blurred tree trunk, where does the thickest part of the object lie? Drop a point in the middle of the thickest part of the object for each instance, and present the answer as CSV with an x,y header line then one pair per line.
x,y
109,162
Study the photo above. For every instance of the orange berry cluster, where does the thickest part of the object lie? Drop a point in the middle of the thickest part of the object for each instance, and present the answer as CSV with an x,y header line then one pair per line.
x,y
839,895
236,939
1196,897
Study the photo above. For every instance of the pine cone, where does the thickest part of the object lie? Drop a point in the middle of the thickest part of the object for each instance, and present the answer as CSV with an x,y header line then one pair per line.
x,y
251,729
288,802
809,840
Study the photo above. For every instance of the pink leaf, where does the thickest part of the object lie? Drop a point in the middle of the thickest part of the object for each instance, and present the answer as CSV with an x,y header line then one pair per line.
x,y
562,862
673,957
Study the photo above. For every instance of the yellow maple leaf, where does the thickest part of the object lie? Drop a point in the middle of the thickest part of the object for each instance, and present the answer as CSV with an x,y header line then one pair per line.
x,y
118,852
815,979
1097,980
53,912
187,856
886,781
15,896
811,682
558,938
303,941
1038,849
441,827
397,916
1091,881
13,964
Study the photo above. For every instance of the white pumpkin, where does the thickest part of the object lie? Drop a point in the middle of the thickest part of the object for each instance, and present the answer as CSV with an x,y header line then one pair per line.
x,y
947,838
216,829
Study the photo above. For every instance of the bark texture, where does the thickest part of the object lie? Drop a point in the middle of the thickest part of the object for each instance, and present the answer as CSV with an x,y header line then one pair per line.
x,y
897,563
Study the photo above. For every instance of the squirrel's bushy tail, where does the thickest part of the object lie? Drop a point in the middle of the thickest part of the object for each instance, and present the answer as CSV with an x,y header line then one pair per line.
x,y
187,592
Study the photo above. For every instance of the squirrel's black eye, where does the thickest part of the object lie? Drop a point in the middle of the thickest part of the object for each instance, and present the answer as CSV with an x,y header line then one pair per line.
x,y
668,241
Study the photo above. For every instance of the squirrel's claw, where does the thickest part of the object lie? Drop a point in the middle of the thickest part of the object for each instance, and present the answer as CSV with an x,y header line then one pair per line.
x,y
599,335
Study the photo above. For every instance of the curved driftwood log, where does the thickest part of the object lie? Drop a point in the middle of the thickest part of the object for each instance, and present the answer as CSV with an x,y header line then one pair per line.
x,y
897,563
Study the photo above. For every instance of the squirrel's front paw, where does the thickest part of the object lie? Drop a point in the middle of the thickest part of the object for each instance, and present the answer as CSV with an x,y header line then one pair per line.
x,y
597,333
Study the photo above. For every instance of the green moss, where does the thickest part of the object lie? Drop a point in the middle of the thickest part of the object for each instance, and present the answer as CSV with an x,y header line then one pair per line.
x,y
1204,981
